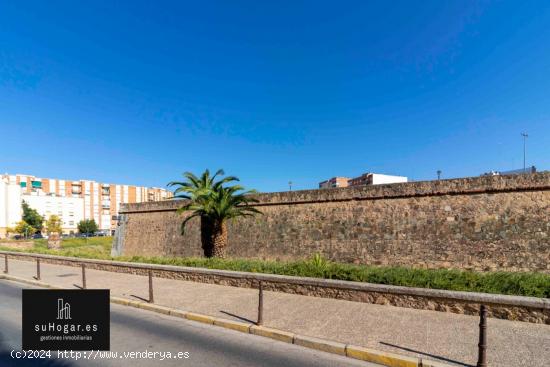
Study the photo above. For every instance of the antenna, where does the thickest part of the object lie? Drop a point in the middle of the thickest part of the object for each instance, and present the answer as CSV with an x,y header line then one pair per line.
x,y
525,136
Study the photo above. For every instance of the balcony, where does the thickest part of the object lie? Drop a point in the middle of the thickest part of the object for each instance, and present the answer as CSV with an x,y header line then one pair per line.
x,y
76,189
36,184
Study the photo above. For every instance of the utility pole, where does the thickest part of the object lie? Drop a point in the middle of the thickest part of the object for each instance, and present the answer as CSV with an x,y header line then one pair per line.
x,y
525,136
290,185
438,174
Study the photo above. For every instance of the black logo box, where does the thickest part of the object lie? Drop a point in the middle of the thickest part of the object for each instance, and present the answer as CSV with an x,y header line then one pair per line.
x,y
74,319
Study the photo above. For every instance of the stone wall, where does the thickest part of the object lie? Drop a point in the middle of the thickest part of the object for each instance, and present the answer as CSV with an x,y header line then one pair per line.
x,y
482,223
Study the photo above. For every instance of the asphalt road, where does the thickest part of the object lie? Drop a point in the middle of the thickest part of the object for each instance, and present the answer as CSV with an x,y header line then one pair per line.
x,y
134,330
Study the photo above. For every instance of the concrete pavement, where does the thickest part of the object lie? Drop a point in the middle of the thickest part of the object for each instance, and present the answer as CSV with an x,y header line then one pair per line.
x,y
446,337
137,330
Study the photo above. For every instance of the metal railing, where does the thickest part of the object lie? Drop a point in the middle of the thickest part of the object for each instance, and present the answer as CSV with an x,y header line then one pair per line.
x,y
482,344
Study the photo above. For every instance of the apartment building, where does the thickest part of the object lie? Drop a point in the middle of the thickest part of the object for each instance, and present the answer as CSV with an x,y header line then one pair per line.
x,y
375,179
334,182
71,200
363,180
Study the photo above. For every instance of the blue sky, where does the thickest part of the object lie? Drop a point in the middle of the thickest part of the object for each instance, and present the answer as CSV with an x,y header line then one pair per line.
x,y
138,92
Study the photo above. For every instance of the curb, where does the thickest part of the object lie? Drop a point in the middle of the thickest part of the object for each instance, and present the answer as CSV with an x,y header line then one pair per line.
x,y
200,318
243,327
320,344
383,358
28,281
365,354
282,336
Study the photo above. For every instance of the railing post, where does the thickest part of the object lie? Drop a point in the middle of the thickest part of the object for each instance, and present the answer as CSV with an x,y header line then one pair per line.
x,y
6,263
37,269
151,299
260,304
482,345
83,276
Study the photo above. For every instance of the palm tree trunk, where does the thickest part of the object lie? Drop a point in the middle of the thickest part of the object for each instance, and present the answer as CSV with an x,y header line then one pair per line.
x,y
206,236
219,238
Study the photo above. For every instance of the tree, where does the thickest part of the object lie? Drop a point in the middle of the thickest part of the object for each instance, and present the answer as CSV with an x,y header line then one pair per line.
x,y
10,230
53,224
196,189
87,226
31,217
214,203
24,229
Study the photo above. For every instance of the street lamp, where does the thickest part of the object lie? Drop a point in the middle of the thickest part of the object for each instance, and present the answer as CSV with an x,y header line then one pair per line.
x,y
290,185
525,136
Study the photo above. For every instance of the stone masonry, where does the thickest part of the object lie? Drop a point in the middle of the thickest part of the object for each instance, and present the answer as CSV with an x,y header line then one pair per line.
x,y
481,223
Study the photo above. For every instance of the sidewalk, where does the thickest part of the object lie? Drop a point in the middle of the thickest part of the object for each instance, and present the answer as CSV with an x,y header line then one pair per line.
x,y
446,337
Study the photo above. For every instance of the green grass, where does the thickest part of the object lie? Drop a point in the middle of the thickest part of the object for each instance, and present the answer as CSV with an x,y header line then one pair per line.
x,y
512,283
93,247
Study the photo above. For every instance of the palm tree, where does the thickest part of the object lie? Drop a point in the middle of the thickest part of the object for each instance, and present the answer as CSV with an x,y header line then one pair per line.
x,y
214,203
195,189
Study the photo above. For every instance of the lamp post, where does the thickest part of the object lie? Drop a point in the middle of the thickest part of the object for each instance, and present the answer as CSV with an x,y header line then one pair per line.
x,y
525,136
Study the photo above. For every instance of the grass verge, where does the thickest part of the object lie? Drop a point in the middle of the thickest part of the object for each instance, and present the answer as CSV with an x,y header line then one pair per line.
x,y
511,283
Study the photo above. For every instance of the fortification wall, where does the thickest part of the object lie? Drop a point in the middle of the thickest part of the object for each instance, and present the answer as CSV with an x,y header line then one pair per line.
x,y
482,223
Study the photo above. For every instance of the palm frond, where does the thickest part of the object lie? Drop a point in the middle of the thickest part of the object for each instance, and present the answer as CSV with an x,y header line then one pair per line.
x,y
213,199
176,183
219,172
224,181
180,196
192,178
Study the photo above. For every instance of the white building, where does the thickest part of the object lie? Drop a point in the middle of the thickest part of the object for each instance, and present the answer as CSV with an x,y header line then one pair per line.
x,y
69,209
72,201
375,179
10,203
